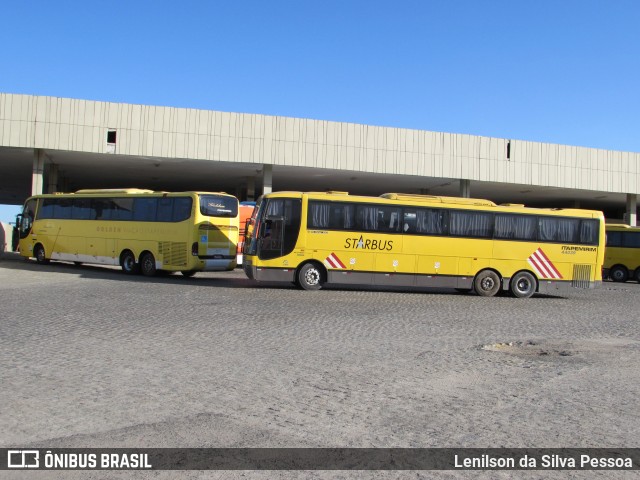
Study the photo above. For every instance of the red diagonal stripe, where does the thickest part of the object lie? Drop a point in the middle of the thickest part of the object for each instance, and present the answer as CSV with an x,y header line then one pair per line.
x,y
550,263
544,272
331,261
337,260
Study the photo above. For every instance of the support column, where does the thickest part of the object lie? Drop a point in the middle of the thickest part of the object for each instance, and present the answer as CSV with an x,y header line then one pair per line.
x,y
52,178
631,217
267,178
37,175
465,188
251,188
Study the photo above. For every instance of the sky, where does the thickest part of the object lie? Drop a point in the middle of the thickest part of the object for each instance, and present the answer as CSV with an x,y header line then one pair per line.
x,y
549,71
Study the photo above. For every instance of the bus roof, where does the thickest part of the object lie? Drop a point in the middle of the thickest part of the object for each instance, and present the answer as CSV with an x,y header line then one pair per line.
x,y
124,192
620,226
451,202
437,199
110,191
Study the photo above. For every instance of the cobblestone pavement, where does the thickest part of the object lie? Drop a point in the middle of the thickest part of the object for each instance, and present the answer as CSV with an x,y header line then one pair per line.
x,y
92,357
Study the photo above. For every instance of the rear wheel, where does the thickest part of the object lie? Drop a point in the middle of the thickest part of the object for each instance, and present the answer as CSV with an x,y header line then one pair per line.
x,y
619,273
486,283
523,285
311,276
148,264
188,273
38,252
636,276
128,263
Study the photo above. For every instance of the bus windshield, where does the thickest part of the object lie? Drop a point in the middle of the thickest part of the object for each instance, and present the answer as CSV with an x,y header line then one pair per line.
x,y
218,206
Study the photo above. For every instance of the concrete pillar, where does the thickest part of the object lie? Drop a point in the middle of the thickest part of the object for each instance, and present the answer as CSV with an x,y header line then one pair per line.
x,y
631,217
267,178
37,175
251,188
52,178
465,188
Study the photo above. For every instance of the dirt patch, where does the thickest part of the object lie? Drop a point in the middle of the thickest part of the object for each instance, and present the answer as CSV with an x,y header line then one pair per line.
x,y
562,349
530,348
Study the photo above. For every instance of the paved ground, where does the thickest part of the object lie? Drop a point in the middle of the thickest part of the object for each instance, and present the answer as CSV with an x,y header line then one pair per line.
x,y
91,357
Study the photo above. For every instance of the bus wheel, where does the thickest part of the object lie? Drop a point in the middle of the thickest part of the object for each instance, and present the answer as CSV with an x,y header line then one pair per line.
x,y
311,276
148,264
486,283
619,273
38,252
637,275
523,285
188,273
128,263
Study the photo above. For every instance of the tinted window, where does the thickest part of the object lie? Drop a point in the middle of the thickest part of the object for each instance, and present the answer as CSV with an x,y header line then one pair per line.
x,y
62,208
121,208
81,209
181,209
165,209
377,218
589,232
516,227
431,221
331,215
471,224
102,207
631,239
218,206
46,210
563,230
144,209
614,239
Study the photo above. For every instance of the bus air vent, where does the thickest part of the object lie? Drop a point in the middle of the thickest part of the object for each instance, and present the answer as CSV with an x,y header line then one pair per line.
x,y
581,276
173,253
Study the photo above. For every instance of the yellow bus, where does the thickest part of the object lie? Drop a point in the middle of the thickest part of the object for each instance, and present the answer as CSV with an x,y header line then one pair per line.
x,y
312,239
622,253
140,230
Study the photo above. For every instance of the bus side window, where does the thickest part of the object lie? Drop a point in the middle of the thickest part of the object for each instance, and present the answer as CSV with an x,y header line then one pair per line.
x,y
409,224
181,208
165,210
631,239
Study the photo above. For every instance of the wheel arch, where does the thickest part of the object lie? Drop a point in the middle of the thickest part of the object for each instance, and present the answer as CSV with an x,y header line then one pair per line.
x,y
490,269
37,245
321,266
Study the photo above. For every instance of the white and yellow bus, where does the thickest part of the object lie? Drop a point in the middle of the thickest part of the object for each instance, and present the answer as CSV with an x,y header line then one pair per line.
x,y
140,230
622,253
423,241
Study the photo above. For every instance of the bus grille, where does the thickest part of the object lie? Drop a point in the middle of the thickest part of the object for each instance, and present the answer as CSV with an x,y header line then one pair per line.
x,y
581,276
173,253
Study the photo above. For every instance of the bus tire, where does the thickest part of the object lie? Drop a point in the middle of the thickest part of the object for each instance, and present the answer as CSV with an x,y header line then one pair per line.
x,y
39,254
311,276
148,264
523,285
486,283
128,263
636,275
188,273
619,273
